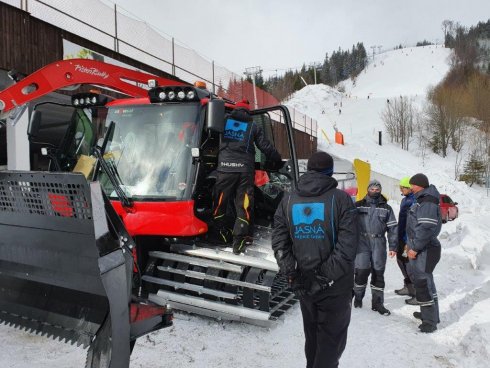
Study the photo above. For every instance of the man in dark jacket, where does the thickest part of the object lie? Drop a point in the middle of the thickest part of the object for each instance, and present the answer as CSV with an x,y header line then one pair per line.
x,y
401,253
236,168
314,239
424,249
376,218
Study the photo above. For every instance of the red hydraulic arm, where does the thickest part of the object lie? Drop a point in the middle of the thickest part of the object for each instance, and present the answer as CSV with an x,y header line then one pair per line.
x,y
71,72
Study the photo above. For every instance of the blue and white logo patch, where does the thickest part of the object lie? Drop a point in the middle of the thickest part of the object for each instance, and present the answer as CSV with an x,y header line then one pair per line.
x,y
308,220
235,130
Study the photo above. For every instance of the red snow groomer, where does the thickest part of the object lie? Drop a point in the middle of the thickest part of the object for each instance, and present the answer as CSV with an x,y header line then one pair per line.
x,y
153,154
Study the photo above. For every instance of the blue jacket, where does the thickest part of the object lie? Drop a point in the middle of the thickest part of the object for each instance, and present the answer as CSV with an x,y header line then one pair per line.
x,y
407,202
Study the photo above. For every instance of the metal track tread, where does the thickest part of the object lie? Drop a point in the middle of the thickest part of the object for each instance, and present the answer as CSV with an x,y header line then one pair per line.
x,y
220,265
191,287
212,281
165,297
220,255
204,276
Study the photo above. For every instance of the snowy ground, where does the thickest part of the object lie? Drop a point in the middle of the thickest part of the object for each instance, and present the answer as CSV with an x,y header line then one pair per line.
x,y
462,276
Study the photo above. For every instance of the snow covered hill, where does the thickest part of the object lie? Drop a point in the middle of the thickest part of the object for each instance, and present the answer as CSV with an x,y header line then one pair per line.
x,y
462,276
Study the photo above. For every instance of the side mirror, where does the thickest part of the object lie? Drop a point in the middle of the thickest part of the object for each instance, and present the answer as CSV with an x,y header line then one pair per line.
x,y
216,116
34,124
455,203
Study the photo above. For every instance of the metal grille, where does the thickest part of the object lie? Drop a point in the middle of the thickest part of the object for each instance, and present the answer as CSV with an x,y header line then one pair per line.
x,y
48,197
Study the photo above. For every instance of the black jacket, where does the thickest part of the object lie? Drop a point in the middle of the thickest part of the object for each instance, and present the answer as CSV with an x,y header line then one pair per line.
x,y
424,220
316,230
237,147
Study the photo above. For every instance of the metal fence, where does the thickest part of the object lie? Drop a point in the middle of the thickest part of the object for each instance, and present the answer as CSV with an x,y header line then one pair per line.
x,y
111,27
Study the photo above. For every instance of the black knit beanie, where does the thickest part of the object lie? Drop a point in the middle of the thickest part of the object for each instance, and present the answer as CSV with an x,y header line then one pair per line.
x,y
420,179
322,162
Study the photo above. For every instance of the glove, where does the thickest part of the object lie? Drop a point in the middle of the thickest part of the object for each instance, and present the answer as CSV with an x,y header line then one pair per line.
x,y
324,281
297,285
274,165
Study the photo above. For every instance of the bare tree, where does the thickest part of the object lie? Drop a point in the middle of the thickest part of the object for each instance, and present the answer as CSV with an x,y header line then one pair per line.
x,y
399,119
443,119
446,27
421,134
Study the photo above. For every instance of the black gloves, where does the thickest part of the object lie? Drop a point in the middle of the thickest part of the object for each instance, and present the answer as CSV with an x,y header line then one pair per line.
x,y
274,163
308,283
297,285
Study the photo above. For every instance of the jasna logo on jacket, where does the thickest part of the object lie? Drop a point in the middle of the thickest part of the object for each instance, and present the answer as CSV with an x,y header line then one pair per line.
x,y
235,130
308,219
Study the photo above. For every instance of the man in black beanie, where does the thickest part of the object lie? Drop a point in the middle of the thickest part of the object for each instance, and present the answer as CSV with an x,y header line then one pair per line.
x,y
315,239
424,249
419,180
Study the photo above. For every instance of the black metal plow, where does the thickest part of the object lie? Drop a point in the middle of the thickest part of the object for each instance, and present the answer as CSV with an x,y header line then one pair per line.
x,y
66,266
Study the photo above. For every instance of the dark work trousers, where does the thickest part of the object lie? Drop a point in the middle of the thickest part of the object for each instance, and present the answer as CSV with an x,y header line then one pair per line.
x,y
420,271
402,262
237,187
372,263
325,321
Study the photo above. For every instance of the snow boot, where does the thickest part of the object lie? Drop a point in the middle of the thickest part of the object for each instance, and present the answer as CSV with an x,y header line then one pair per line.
x,y
377,304
411,301
427,327
380,308
406,290
402,291
239,245
418,315
357,303
221,237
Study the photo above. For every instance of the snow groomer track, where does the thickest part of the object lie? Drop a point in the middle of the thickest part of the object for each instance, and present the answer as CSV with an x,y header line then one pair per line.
x,y
214,282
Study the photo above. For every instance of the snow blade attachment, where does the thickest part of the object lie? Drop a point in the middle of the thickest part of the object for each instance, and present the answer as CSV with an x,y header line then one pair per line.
x,y
65,265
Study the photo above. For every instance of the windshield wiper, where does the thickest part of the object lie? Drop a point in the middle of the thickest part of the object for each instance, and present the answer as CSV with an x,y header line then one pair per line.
x,y
114,178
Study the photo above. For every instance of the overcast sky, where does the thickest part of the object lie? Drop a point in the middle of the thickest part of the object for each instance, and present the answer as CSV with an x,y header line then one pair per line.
x,y
281,34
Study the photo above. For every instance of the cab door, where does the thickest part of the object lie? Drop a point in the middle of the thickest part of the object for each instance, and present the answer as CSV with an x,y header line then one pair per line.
x,y
272,182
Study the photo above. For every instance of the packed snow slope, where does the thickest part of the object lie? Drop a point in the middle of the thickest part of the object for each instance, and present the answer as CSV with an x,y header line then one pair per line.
x,y
462,276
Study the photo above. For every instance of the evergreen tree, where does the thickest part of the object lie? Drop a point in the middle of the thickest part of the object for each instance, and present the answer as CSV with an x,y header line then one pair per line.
x,y
341,65
474,170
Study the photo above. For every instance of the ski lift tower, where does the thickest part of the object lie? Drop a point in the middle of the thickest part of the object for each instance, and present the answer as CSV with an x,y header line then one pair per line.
x,y
252,72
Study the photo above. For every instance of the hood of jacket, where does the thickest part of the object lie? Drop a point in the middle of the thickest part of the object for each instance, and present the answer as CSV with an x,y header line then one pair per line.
x,y
430,191
313,183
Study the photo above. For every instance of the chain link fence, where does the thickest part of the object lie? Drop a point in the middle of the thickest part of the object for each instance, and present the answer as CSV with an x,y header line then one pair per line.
x,y
111,27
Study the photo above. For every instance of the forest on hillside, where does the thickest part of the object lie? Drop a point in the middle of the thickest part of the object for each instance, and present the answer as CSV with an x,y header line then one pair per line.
x,y
457,114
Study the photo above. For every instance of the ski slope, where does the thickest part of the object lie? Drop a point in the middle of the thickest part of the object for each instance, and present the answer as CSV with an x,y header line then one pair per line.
x,y
462,276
